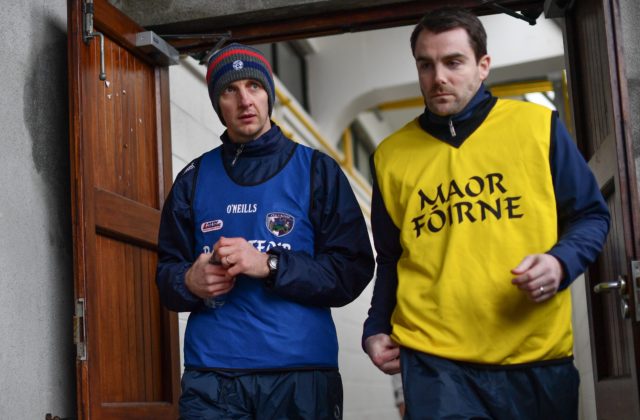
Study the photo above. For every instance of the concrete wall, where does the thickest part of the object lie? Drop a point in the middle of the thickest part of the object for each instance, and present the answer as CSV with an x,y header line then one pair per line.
x,y
163,12
37,373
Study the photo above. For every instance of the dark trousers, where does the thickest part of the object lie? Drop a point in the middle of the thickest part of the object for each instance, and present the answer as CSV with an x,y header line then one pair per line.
x,y
437,388
308,395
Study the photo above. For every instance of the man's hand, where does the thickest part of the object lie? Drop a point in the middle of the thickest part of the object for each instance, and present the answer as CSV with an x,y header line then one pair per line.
x,y
383,352
539,276
207,280
240,257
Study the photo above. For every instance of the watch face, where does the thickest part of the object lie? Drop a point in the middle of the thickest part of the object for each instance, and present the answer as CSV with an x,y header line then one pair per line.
x,y
273,262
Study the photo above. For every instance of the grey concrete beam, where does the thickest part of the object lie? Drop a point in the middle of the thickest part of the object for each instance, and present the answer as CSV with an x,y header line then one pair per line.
x,y
163,12
216,14
192,26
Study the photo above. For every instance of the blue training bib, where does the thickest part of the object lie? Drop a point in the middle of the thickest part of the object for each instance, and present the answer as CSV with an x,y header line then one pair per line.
x,y
254,328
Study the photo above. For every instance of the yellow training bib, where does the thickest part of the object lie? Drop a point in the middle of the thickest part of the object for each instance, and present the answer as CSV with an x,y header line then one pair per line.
x,y
467,216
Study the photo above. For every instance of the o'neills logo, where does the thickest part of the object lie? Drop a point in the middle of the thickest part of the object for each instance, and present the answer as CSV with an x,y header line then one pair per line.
x,y
279,223
242,208
211,226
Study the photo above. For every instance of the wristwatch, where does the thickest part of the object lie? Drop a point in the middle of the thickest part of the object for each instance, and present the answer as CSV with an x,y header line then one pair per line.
x,y
272,264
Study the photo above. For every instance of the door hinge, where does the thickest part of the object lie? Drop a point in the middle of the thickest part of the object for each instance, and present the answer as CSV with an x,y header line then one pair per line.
x,y
635,288
79,330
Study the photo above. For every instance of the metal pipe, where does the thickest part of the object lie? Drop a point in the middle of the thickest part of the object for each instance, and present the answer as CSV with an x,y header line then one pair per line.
x,y
103,74
89,34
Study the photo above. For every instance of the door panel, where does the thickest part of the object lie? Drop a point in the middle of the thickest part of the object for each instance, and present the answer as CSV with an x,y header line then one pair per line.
x,y
120,152
599,102
128,318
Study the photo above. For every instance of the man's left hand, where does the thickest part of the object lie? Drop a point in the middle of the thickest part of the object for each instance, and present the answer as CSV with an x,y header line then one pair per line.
x,y
539,276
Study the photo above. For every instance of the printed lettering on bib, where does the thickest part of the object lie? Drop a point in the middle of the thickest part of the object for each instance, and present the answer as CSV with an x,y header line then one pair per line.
x,y
457,203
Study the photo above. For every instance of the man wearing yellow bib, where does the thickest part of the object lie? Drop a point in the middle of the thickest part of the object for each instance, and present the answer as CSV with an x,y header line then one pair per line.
x,y
483,213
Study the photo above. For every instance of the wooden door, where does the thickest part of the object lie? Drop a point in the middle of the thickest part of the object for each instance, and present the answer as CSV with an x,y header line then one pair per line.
x,y
120,160
603,131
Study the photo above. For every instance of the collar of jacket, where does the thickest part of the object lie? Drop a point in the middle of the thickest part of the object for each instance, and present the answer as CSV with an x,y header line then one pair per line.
x,y
266,144
464,123
257,161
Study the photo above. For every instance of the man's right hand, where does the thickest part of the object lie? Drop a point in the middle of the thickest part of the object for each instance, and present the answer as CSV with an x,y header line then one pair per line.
x,y
383,352
207,280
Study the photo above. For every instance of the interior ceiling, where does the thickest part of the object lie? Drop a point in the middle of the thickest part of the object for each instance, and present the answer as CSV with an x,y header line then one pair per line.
x,y
194,26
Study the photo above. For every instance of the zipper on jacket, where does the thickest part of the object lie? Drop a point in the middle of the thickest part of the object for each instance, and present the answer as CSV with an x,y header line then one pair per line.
x,y
451,129
238,151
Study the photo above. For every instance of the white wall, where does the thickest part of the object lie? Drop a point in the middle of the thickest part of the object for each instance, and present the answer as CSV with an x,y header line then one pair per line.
x,y
37,371
195,127
352,72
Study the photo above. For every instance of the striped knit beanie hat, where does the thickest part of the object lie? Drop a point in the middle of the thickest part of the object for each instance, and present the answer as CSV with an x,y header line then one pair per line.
x,y
237,62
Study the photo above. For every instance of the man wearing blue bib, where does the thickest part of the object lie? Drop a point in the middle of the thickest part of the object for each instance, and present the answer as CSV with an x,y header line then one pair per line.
x,y
258,239
483,213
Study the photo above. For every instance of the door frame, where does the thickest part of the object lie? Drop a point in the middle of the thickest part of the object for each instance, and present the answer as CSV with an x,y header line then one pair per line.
x,y
627,184
112,24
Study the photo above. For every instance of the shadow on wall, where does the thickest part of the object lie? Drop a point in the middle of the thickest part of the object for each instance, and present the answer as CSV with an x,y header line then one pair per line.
x,y
47,120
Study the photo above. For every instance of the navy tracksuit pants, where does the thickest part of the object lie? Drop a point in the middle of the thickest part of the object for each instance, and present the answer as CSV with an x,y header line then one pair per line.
x,y
437,388
304,395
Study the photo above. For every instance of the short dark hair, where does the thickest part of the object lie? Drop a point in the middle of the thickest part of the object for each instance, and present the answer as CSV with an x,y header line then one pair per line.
x,y
447,18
